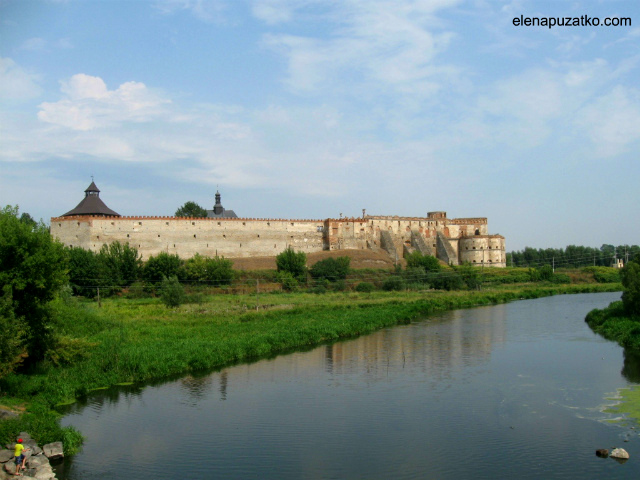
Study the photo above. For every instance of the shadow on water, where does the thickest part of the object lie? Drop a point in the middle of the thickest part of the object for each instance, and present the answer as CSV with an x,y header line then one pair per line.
x,y
631,366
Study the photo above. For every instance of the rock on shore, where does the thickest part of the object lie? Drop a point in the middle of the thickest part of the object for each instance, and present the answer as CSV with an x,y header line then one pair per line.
x,y
37,465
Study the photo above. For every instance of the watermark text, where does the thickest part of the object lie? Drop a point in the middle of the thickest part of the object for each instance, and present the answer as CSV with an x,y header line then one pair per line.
x,y
581,21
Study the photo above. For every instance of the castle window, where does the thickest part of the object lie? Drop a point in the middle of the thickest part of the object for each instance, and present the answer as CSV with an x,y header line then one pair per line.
x,y
474,248
219,223
194,235
139,223
268,224
112,223
477,232
258,236
193,223
224,236
127,235
166,223
158,235
474,261
78,223
244,223
174,245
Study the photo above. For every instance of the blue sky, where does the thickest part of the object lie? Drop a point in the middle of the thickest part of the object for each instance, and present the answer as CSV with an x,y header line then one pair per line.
x,y
313,108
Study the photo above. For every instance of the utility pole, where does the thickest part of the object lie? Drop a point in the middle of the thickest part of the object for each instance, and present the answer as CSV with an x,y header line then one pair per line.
x,y
553,264
257,291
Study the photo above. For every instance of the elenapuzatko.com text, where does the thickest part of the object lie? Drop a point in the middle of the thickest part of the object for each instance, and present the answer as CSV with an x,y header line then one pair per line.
x,y
581,21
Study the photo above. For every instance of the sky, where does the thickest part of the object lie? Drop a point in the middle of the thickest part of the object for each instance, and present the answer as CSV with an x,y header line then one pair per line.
x,y
312,109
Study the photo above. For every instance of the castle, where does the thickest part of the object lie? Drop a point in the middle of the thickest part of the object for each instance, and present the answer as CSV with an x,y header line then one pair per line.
x,y
453,240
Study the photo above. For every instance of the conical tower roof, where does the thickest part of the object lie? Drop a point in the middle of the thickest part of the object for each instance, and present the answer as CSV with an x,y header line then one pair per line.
x,y
92,205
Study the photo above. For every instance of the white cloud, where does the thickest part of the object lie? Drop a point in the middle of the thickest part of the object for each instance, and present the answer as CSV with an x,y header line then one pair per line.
x,y
372,44
89,104
34,44
16,83
612,121
205,10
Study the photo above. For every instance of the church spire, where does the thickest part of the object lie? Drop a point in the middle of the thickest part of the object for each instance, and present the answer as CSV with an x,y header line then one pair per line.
x,y
218,208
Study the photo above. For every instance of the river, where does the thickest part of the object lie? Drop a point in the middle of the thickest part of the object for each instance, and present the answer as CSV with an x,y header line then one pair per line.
x,y
514,390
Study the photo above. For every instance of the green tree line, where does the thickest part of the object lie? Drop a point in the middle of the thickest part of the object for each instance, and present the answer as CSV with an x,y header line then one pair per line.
x,y
572,256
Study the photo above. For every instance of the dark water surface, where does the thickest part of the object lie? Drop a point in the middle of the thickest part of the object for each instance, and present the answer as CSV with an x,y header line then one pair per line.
x,y
496,392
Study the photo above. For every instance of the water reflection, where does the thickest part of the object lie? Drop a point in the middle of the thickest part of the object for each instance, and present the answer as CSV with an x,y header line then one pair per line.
x,y
631,367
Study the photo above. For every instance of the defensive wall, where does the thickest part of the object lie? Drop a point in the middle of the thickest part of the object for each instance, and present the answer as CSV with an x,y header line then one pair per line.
x,y
452,240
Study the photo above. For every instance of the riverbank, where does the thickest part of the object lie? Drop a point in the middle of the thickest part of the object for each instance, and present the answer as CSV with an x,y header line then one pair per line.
x,y
135,341
613,324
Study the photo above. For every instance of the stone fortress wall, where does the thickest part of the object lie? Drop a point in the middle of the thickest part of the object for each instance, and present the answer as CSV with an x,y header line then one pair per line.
x,y
454,241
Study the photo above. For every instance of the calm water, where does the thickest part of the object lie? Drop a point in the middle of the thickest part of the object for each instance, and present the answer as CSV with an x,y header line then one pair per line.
x,y
493,392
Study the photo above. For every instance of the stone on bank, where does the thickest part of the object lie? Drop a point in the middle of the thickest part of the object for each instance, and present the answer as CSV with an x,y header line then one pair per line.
x,y
38,466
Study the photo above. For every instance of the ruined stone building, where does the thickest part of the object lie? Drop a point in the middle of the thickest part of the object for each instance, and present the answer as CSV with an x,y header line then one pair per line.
x,y
453,240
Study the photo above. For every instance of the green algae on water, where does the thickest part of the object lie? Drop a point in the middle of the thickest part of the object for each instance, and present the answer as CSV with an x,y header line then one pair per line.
x,y
629,404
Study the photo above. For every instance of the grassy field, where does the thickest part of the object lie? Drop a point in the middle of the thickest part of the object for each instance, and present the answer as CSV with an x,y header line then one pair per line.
x,y
138,340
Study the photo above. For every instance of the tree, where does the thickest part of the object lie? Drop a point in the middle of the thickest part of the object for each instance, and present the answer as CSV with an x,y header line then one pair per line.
x,y
293,262
122,264
33,267
631,281
191,209
86,273
12,349
162,265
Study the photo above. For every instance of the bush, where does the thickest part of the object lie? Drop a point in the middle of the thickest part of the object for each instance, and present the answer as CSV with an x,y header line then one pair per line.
x,y
216,271
427,263
415,275
137,290
446,281
292,262
172,292
331,268
394,283
287,280
470,276
339,286
561,278
546,273
365,287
